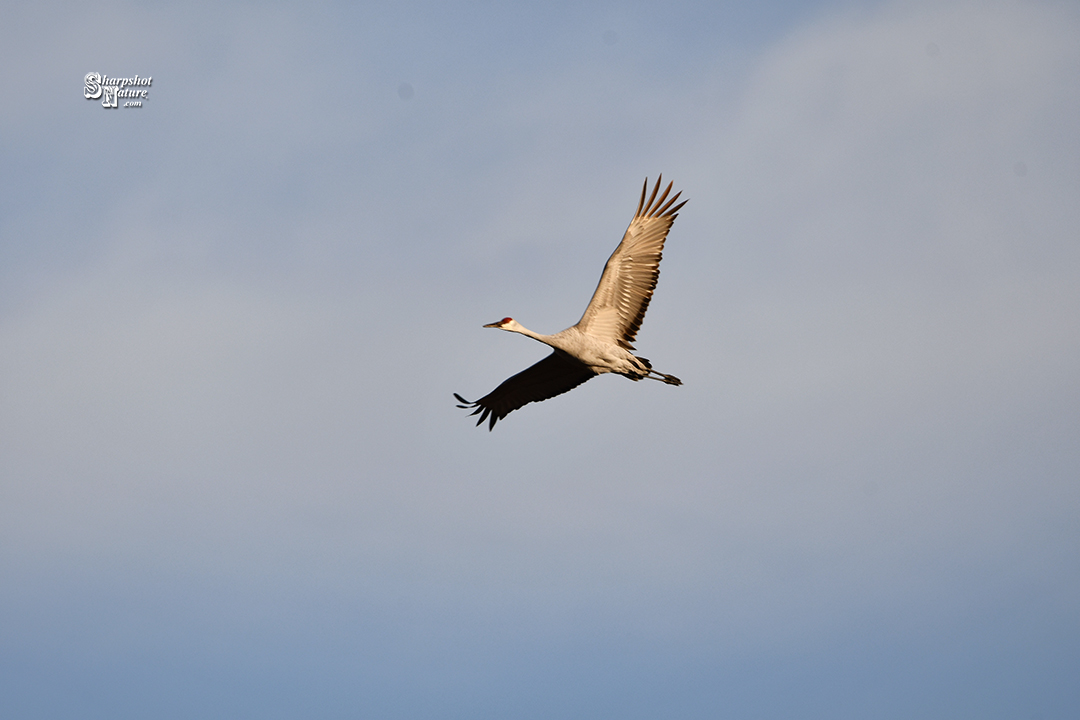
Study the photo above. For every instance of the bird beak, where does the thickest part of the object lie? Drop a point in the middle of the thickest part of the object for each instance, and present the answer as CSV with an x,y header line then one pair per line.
x,y
494,325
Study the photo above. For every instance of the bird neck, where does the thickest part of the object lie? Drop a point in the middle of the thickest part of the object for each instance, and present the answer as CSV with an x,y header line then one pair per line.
x,y
519,328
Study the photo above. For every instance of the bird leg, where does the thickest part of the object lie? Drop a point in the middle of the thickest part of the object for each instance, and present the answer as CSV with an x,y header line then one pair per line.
x,y
667,379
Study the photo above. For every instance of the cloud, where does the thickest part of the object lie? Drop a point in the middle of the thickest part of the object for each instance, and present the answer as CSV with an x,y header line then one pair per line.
x,y
228,361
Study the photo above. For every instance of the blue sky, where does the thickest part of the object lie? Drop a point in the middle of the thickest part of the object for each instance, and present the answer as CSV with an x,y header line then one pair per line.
x,y
233,482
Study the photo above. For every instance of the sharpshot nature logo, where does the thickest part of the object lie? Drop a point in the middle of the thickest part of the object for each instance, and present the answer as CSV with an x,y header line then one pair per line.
x,y
111,89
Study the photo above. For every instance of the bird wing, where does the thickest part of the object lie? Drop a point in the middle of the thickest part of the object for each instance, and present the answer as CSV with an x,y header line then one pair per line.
x,y
552,376
622,296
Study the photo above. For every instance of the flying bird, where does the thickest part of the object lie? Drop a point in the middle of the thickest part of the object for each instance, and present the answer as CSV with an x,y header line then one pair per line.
x,y
601,340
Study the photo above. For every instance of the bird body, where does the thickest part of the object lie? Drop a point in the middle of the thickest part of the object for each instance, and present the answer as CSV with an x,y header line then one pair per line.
x,y
601,341
574,344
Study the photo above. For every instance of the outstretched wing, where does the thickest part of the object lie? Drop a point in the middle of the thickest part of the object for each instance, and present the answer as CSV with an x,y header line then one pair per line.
x,y
618,306
552,376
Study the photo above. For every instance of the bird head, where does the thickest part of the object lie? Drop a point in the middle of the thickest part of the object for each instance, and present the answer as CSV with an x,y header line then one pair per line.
x,y
504,324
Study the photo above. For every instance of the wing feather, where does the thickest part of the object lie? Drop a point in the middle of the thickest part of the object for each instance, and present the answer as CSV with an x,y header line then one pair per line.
x,y
622,296
552,376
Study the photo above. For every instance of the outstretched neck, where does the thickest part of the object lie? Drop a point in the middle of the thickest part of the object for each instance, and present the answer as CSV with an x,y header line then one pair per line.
x,y
512,325
521,329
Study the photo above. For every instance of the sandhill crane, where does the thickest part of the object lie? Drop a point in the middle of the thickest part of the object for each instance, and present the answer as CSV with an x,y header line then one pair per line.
x,y
600,341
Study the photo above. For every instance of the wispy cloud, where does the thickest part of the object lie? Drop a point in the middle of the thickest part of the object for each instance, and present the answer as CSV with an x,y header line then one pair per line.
x,y
230,326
